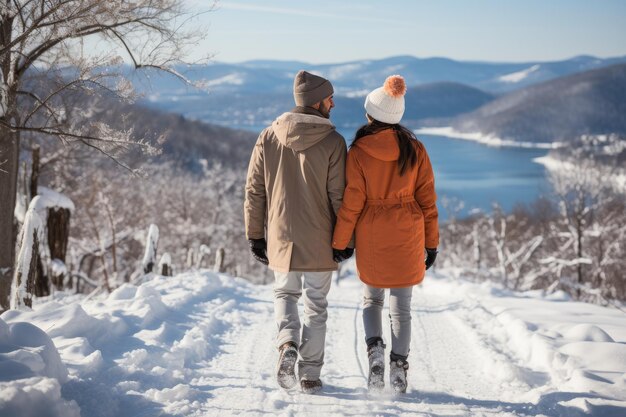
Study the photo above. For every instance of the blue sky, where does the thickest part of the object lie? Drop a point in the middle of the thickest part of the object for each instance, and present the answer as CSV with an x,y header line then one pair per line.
x,y
326,31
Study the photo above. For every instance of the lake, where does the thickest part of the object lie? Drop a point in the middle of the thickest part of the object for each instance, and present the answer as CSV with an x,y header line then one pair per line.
x,y
480,175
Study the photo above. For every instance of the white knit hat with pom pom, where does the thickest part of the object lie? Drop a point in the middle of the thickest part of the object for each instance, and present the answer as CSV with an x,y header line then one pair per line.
x,y
386,103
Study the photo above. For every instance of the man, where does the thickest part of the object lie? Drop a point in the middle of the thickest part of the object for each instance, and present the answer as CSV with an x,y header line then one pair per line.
x,y
294,190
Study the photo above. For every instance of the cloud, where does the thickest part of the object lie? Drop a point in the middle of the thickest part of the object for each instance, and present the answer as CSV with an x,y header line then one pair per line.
x,y
299,12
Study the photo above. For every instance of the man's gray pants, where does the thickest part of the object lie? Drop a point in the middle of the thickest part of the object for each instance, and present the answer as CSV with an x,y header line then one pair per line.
x,y
399,314
311,336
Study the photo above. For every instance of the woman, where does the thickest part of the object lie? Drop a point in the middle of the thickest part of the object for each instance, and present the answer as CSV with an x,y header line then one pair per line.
x,y
389,205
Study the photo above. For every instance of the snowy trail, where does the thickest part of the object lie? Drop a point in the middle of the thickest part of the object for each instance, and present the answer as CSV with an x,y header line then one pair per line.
x,y
446,377
201,344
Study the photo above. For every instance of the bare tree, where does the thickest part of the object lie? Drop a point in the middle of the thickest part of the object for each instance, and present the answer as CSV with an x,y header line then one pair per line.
x,y
43,64
579,191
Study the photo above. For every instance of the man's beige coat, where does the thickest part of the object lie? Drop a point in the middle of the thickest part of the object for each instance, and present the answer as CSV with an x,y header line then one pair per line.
x,y
294,189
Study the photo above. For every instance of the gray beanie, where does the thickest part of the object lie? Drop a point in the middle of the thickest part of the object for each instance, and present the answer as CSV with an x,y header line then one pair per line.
x,y
309,89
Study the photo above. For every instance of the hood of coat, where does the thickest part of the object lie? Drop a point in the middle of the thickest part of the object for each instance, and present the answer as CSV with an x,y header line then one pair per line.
x,y
382,145
300,131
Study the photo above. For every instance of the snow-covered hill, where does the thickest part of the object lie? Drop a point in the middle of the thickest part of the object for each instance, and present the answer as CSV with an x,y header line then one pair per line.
x,y
201,344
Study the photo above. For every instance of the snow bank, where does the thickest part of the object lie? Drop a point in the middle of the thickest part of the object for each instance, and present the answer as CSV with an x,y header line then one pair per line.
x,y
126,343
28,351
31,373
35,397
485,139
580,347
200,344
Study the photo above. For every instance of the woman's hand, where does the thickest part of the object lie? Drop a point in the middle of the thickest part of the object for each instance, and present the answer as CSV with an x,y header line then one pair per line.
x,y
431,255
340,255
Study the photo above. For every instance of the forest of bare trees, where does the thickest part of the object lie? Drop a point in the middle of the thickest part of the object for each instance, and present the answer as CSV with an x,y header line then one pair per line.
x,y
47,58
198,216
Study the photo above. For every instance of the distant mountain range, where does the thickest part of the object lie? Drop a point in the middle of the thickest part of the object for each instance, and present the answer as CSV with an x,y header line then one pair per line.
x,y
591,102
359,77
513,100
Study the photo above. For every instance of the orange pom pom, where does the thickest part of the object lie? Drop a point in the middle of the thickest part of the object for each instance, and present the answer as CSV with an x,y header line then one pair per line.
x,y
395,86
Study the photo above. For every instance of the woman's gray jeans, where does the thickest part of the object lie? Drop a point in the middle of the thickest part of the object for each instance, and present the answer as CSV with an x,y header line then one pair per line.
x,y
399,314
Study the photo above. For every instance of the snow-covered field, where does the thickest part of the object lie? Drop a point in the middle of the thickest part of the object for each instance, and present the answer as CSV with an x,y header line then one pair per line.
x,y
201,344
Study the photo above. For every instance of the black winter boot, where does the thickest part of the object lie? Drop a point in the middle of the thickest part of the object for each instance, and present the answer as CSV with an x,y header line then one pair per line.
x,y
310,387
285,368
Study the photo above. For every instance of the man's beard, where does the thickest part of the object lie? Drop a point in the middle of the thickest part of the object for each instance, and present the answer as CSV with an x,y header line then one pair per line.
x,y
324,110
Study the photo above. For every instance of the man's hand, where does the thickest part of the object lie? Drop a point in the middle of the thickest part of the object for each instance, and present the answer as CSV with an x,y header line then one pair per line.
x,y
259,249
340,255
431,255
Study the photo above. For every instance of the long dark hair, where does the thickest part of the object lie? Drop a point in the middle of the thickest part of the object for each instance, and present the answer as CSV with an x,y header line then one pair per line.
x,y
408,156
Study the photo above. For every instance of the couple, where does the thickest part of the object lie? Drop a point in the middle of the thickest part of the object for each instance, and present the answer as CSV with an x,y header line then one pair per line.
x,y
310,199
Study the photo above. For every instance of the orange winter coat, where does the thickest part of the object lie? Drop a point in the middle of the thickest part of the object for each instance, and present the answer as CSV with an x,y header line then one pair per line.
x,y
393,217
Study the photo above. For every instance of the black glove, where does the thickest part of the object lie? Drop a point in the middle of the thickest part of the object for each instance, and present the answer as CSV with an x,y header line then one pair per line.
x,y
431,255
259,249
340,255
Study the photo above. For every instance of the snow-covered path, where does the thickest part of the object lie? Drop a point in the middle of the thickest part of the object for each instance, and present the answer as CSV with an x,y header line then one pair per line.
x,y
201,344
447,376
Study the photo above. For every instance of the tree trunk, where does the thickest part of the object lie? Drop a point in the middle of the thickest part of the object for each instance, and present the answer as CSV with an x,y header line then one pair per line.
x,y
9,153
41,280
9,160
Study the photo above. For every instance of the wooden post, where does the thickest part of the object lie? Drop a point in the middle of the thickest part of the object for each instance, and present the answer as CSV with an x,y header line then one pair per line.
x,y
219,260
58,226
165,265
202,260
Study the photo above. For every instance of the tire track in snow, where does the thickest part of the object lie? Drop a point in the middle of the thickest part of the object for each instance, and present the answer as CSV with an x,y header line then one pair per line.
x,y
238,379
455,361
